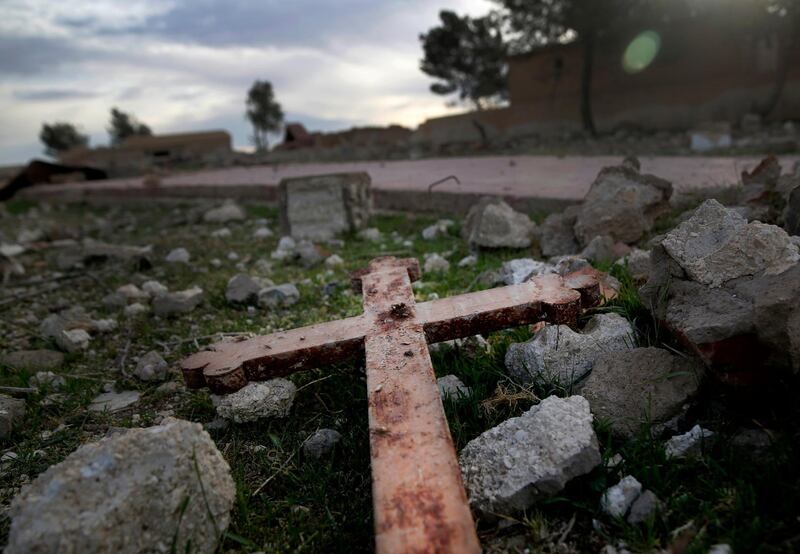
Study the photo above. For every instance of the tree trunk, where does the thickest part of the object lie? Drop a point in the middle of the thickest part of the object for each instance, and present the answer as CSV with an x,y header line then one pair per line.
x,y
783,71
587,117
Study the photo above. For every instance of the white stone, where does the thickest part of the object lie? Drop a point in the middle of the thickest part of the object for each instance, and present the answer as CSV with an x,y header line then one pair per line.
x,y
468,261
617,500
178,255
514,272
690,444
435,263
114,401
258,400
262,233
230,211
451,387
334,260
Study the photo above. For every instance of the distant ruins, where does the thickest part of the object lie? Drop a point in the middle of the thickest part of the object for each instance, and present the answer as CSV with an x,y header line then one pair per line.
x,y
138,154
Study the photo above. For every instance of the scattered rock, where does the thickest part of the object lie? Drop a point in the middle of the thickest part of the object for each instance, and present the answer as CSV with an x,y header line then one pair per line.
x,y
112,402
491,223
604,249
178,255
557,234
525,458
321,206
644,507
334,261
731,291
633,387
308,255
132,293
285,250
73,340
717,245
223,233
279,296
435,263
514,272
242,289
258,400
34,360
468,261
709,136
721,548
617,500
47,379
229,211
262,233
151,367
371,235
451,387
321,443
177,302
623,204
12,412
557,353
141,490
437,230
638,263
154,288
136,309
689,444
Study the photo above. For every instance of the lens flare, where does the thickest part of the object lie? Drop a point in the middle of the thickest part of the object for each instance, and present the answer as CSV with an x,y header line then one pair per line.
x,y
641,52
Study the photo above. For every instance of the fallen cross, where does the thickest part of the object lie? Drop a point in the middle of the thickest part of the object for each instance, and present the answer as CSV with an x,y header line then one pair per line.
x,y
417,493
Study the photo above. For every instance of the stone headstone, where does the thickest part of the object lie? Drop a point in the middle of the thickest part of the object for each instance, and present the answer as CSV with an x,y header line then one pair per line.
x,y
160,489
321,206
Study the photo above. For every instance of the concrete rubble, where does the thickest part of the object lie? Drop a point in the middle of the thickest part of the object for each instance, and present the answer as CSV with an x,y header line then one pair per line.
x,y
558,354
529,457
137,491
632,388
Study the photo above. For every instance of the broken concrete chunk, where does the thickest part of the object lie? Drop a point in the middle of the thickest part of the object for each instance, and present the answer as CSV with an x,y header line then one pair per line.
x,y
717,245
617,500
529,457
242,289
130,491
491,223
151,367
258,400
557,353
642,386
279,296
451,387
180,302
623,204
690,444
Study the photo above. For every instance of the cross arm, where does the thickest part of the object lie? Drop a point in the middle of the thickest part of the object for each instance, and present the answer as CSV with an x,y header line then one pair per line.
x,y
548,297
228,366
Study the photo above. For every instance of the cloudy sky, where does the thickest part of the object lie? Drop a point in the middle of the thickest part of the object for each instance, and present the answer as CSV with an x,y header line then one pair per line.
x,y
183,65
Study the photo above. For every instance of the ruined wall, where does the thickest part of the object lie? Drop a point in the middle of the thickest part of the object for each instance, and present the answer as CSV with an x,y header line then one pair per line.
x,y
701,73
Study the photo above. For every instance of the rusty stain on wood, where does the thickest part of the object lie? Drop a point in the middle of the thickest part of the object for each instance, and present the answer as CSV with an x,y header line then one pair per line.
x,y
418,496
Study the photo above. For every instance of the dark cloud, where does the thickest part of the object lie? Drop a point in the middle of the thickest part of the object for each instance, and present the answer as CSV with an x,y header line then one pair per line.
x,y
28,55
44,95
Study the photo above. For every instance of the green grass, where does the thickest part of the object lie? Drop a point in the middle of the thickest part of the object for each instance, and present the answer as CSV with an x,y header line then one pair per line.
x,y
286,502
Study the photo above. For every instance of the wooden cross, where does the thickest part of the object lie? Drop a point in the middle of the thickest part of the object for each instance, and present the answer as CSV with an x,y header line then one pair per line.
x,y
418,497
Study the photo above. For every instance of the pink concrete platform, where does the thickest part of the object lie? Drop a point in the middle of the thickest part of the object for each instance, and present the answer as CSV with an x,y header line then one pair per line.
x,y
530,182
